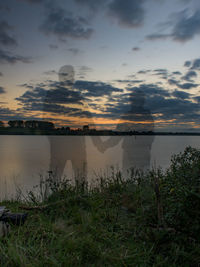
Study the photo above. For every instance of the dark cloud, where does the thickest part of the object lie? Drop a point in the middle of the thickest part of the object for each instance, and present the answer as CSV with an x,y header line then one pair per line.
x,y
37,94
129,13
187,86
7,114
1,74
62,95
157,36
2,90
193,64
143,71
189,76
187,63
26,85
166,105
94,5
53,97
59,100
133,76
81,77
74,51
135,49
4,8
177,108
184,86
123,102
181,94
130,81
184,27
128,103
51,108
53,47
162,103
63,25
33,1
197,98
8,57
161,72
50,72
5,38
176,73
196,64
95,89
58,95
172,82
150,90
83,70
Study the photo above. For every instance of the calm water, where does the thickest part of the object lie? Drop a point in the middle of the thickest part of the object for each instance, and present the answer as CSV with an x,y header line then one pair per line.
x,y
24,158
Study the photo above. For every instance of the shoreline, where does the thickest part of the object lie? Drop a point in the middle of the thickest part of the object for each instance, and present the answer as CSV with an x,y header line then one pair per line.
x,y
91,133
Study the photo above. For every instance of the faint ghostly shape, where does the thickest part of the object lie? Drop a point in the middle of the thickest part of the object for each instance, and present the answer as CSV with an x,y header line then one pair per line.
x,y
66,75
136,148
64,148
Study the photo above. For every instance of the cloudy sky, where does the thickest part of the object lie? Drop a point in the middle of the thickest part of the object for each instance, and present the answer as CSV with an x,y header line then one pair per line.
x,y
116,47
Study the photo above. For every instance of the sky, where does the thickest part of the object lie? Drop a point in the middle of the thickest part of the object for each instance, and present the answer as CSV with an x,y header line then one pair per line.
x,y
115,48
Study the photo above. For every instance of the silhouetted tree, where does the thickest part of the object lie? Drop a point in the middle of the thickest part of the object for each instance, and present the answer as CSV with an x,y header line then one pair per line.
x,y
30,124
42,125
16,124
45,125
11,124
86,128
20,124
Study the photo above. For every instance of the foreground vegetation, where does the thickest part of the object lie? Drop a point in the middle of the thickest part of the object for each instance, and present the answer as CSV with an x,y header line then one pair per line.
x,y
150,219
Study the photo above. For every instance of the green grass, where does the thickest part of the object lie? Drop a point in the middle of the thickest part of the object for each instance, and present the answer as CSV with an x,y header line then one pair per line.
x,y
150,219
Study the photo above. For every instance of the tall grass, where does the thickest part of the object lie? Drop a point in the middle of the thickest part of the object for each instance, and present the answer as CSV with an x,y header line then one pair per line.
x,y
149,219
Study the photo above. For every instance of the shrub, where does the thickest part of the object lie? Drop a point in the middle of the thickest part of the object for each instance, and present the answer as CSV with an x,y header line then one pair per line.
x,y
180,190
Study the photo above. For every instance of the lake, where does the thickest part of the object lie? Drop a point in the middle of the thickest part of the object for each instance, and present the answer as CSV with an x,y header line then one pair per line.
x,y
24,159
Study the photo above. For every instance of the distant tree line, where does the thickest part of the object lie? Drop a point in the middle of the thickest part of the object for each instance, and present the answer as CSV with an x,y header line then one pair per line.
x,y
33,124
46,127
42,125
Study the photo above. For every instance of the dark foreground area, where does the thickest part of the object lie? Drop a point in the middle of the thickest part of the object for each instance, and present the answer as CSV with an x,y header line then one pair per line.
x,y
150,219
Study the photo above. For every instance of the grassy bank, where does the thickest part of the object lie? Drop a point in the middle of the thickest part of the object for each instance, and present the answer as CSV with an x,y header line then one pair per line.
x,y
150,219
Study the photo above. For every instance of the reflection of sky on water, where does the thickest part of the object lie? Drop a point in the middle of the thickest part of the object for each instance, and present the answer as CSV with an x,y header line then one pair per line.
x,y
25,157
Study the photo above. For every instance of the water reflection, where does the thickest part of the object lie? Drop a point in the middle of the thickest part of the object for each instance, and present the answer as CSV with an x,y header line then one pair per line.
x,y
24,158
